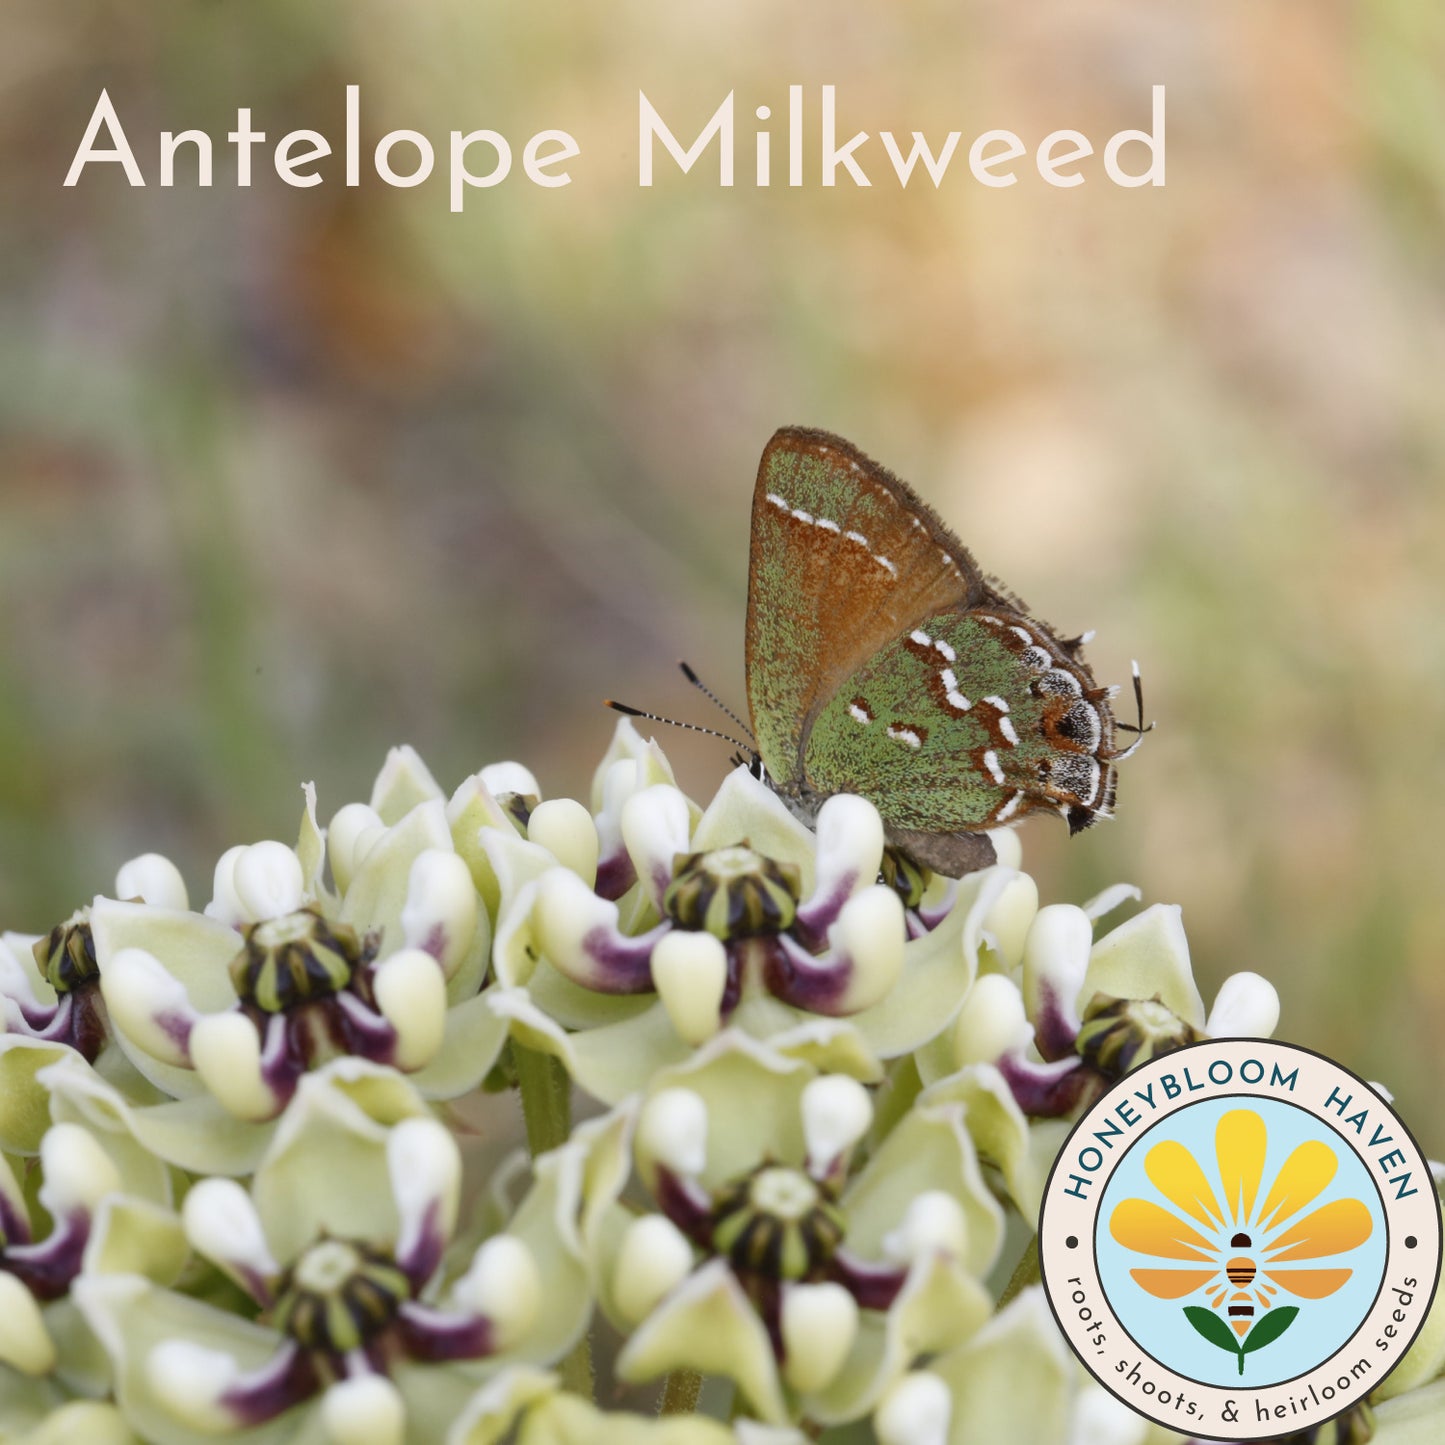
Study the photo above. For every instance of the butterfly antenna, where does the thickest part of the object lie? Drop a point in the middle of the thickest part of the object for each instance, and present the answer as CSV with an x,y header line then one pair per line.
x,y
713,698
1138,727
672,722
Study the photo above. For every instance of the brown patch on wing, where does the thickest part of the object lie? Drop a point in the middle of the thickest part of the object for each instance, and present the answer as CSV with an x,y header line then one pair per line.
x,y
952,854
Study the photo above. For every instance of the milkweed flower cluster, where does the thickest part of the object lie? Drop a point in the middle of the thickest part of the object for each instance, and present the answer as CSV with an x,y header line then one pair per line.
x,y
477,1115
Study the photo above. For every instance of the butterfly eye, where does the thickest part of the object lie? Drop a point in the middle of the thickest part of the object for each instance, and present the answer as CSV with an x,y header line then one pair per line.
x,y
1044,771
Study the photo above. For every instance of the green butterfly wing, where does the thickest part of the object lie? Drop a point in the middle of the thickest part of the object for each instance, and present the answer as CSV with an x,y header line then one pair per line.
x,y
987,719
940,728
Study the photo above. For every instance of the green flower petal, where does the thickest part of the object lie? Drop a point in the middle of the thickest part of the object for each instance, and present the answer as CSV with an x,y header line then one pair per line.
x,y
192,948
1414,1419
609,1062
572,1208
474,816
26,1345
325,1169
576,1007
746,809
998,1128
1012,1381
311,846
195,1134
929,1149
832,1046
131,1316
615,1060
570,1420
18,969
142,1175
1046,1139
474,1037
753,1432
936,1059
12,1195
938,971
404,783
608,1235
435,1396
135,1236
166,1079
940,1306
83,1367
628,745
377,893
575,1186
493,1410
707,1324
471,972
753,1096
1007,923
92,1421
515,866
25,1403
605,1149
515,950
24,1097
1144,957
116,1068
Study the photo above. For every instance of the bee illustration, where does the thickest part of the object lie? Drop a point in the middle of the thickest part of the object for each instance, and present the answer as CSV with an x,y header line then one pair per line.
x,y
1239,1303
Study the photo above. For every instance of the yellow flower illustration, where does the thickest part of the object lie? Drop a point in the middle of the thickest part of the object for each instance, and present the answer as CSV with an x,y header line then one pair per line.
x,y
1240,1245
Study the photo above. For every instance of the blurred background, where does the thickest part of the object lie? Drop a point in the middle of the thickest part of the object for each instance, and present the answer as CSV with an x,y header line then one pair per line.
x,y
288,476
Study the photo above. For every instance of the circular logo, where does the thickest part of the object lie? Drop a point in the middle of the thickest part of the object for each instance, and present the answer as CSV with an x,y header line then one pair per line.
x,y
1240,1239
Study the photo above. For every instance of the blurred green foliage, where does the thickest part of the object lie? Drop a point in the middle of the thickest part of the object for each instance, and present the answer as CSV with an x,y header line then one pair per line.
x,y
288,475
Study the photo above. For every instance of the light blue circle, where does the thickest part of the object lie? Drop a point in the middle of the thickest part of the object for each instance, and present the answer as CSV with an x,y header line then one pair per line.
x,y
1160,1327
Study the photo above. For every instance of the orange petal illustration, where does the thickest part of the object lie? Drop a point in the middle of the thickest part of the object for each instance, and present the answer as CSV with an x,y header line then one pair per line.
x,y
1176,1174
1310,1283
1301,1179
1139,1225
1341,1225
1171,1283
1239,1144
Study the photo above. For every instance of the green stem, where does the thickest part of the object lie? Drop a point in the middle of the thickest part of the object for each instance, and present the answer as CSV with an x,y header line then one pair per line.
x,y
1026,1272
679,1395
546,1098
895,1098
546,1092
576,1369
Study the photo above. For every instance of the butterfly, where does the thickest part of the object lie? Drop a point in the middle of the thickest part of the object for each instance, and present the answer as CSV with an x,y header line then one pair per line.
x,y
882,661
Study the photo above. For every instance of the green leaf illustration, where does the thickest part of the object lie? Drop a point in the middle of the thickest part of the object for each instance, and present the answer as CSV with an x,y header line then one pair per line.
x,y
1212,1328
1271,1326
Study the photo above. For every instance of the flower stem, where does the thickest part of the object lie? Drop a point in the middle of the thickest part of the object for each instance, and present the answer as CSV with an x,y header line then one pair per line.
x,y
1026,1272
896,1097
546,1098
679,1395
576,1369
